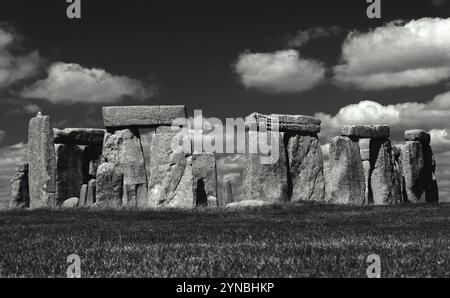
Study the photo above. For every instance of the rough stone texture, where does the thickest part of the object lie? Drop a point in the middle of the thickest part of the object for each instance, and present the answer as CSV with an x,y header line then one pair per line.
x,y
365,154
293,119
83,195
346,172
41,156
69,172
92,157
124,149
204,168
418,135
71,203
170,181
249,203
142,116
305,164
413,164
109,186
265,180
91,192
229,193
367,192
79,136
383,189
20,197
285,127
366,131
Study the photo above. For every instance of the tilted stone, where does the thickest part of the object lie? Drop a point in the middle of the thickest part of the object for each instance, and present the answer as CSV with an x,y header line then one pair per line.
x,y
204,174
79,136
366,131
109,188
304,155
20,197
265,175
346,172
383,189
141,116
41,156
418,135
69,171
170,181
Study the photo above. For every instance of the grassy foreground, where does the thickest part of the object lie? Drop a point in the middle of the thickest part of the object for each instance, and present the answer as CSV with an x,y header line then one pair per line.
x,y
290,241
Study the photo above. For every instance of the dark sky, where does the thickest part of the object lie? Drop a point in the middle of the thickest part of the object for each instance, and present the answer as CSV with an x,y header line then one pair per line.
x,y
187,50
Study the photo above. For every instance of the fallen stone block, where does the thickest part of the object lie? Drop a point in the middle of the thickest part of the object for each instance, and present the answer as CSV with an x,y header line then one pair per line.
x,y
365,131
142,116
20,197
79,136
69,172
418,135
248,204
71,203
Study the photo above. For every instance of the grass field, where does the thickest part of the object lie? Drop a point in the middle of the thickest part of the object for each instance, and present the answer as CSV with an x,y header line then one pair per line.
x,y
290,241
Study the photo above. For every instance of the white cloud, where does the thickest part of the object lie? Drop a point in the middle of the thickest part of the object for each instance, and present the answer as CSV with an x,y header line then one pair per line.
x,y
15,67
398,54
72,83
440,140
302,37
279,72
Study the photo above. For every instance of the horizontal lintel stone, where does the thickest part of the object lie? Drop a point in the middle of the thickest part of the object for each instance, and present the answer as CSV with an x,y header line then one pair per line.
x,y
418,135
366,131
284,127
282,118
78,136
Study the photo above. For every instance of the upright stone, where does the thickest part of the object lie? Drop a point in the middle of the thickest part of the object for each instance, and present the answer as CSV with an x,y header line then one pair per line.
x,y
368,191
430,184
413,164
83,195
346,172
265,175
170,182
109,186
92,157
384,190
204,174
398,176
304,155
91,192
69,172
41,156
20,197
228,193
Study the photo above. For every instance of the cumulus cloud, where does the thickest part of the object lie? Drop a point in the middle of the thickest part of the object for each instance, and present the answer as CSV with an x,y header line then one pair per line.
x,y
15,67
440,140
72,83
302,37
398,54
279,72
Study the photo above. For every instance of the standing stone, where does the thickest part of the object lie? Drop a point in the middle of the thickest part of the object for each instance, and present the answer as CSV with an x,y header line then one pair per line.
x,y
91,192
124,149
204,174
41,156
109,186
304,155
83,194
229,193
431,194
382,178
265,175
92,157
413,164
398,176
20,197
69,172
368,191
170,183
346,178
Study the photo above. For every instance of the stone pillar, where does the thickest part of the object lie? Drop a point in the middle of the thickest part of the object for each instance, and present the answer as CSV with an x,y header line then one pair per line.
x,y
20,197
41,156
365,157
228,193
346,181
83,195
69,172
204,171
398,176
91,192
171,180
109,185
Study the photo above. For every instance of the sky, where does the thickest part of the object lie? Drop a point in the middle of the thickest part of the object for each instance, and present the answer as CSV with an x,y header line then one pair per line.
x,y
323,58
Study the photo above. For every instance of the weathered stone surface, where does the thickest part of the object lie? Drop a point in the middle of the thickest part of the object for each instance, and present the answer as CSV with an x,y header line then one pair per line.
x,y
431,195
228,193
41,156
305,164
109,186
71,203
249,203
418,135
285,127
135,195
170,183
282,118
368,191
204,174
69,172
365,154
142,116
384,190
20,197
79,136
346,172
91,192
265,175
83,195
413,165
366,131
92,158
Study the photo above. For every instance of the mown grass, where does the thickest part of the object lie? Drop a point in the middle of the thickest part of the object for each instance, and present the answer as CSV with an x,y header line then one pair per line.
x,y
292,241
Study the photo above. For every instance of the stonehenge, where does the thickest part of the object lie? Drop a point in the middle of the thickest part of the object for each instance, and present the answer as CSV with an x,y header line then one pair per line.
x,y
107,168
